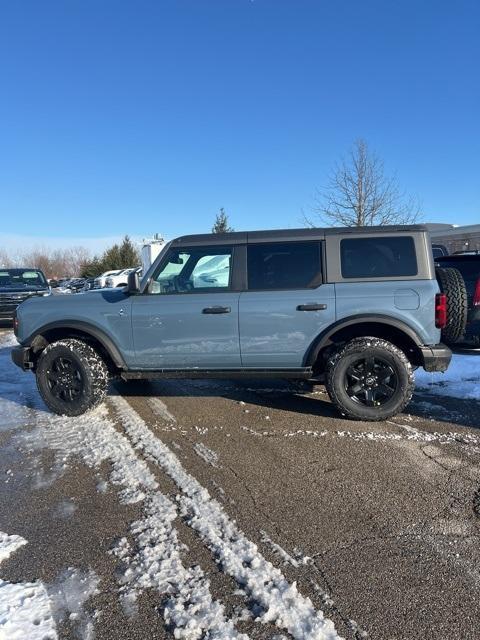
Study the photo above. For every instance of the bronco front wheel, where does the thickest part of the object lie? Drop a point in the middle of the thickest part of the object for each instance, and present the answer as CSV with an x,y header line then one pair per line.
x,y
71,377
369,379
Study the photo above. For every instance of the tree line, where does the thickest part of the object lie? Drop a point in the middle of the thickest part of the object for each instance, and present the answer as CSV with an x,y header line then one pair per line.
x,y
358,192
75,261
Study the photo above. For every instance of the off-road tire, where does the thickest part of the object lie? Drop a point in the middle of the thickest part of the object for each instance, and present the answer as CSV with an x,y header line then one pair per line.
x,y
452,284
382,351
90,380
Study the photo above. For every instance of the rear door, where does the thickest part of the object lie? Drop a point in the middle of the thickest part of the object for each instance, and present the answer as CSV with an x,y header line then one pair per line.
x,y
188,317
286,304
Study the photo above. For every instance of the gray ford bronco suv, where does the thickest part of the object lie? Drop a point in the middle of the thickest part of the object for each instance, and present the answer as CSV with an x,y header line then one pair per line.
x,y
355,308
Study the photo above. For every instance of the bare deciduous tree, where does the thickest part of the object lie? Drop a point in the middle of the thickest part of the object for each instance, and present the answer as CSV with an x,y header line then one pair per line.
x,y
359,194
54,263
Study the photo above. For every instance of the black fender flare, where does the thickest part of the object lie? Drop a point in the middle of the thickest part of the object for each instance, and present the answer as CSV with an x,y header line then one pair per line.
x,y
323,338
86,328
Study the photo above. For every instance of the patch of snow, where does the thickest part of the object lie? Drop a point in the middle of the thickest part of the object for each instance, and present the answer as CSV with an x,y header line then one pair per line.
x,y
162,410
68,595
156,562
102,486
286,557
302,432
65,509
460,380
357,630
9,544
326,599
259,433
201,430
468,442
25,607
278,601
209,456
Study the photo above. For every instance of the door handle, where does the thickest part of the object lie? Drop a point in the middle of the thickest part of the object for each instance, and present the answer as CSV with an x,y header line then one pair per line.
x,y
217,310
311,307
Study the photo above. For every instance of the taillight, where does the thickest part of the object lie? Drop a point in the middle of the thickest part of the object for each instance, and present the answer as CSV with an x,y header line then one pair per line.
x,y
440,310
476,294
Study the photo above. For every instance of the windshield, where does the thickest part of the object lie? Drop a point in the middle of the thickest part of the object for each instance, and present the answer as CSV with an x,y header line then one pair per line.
x,y
22,278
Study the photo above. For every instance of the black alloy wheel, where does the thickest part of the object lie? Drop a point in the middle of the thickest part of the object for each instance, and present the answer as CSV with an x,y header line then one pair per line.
x,y
64,379
370,381
369,378
72,377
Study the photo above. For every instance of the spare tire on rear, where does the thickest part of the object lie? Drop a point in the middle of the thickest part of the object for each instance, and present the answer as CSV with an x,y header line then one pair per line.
x,y
452,284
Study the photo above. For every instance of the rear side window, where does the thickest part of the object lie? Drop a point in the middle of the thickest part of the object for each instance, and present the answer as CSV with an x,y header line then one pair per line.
x,y
284,265
378,257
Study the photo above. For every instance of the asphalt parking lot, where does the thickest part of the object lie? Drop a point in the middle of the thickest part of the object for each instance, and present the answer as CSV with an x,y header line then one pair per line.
x,y
221,508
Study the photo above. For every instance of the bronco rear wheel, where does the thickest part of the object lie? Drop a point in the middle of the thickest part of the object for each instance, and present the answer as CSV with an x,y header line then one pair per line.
x,y
369,379
71,377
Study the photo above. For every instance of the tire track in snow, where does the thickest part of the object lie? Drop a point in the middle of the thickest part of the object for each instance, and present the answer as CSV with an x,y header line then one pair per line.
x,y
157,561
281,602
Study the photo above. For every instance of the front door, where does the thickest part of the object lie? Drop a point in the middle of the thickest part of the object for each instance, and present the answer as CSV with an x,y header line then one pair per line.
x,y
188,317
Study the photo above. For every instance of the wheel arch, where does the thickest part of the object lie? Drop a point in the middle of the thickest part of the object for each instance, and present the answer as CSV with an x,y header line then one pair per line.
x,y
82,330
378,326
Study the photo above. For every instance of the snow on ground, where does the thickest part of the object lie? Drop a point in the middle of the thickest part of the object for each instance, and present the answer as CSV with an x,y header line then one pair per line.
x,y
209,456
281,603
461,380
156,562
68,594
25,607
9,544
153,558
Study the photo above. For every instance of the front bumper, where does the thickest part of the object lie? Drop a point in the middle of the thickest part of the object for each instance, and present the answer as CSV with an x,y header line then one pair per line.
x,y
22,357
436,357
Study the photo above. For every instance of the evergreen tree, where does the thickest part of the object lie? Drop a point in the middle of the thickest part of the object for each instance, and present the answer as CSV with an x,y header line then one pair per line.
x,y
221,223
118,257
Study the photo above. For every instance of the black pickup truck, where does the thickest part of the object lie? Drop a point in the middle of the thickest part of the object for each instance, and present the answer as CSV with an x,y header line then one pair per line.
x,y
17,285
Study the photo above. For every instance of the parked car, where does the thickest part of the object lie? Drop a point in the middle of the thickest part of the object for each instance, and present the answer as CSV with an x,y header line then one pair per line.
x,y
89,284
358,308
121,278
468,264
16,286
76,285
439,250
99,282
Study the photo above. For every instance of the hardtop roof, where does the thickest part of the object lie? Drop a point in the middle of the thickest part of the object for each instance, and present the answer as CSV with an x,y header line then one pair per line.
x,y
277,235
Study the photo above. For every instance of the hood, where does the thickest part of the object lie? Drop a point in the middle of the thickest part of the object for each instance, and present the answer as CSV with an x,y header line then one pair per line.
x,y
15,290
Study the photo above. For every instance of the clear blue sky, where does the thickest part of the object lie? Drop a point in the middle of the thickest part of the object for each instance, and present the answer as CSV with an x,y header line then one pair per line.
x,y
146,116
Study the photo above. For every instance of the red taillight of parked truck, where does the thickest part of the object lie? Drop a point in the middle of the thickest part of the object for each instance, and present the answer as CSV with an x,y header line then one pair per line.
x,y
440,310
476,294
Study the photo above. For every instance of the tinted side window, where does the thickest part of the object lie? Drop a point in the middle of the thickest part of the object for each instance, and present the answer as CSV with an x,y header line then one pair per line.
x,y
378,257
284,265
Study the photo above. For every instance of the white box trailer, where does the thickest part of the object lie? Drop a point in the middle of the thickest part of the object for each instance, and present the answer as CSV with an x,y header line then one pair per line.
x,y
150,250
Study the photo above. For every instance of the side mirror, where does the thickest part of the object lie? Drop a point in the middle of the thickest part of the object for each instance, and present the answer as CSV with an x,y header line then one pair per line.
x,y
133,285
